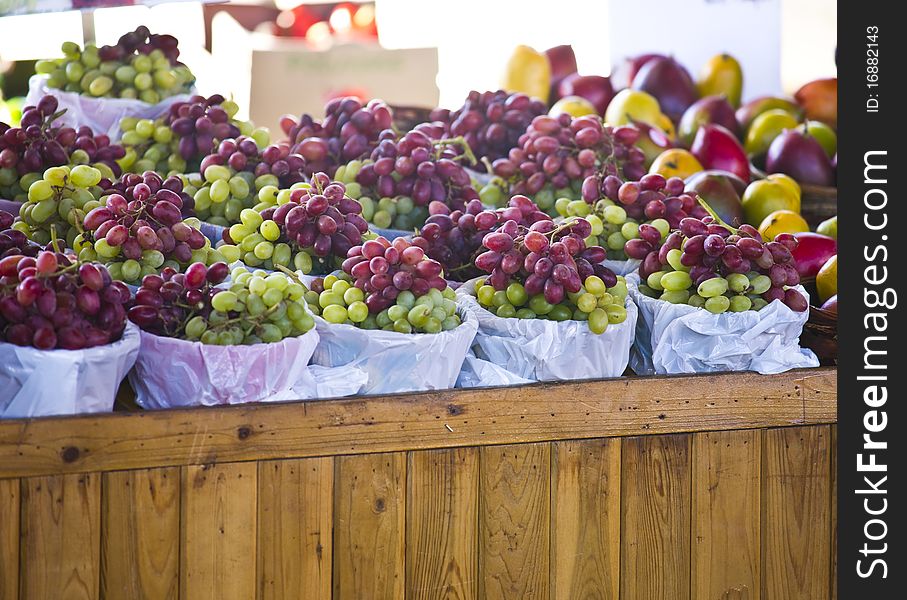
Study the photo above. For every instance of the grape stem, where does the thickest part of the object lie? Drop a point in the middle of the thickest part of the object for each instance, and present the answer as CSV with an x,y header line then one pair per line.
x,y
460,141
714,215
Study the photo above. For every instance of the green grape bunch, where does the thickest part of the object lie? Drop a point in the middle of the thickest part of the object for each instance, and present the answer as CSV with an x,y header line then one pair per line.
x,y
141,66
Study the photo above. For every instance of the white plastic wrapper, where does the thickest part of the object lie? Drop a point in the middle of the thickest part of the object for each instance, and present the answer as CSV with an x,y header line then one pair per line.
x,y
477,372
538,350
37,383
171,373
213,232
678,338
397,362
622,267
103,115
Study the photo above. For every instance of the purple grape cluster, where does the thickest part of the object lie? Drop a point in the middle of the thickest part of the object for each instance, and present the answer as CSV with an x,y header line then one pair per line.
x,y
243,154
52,301
199,123
453,238
141,41
491,122
39,143
165,301
652,197
421,165
13,241
558,151
349,131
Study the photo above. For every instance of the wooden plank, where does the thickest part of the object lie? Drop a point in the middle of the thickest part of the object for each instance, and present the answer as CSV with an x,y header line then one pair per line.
x,y
218,532
796,525
655,518
439,419
833,536
726,531
9,539
369,526
295,515
442,524
140,541
61,537
514,521
585,519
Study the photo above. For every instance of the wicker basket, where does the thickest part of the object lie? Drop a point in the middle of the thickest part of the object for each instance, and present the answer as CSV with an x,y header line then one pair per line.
x,y
407,117
818,203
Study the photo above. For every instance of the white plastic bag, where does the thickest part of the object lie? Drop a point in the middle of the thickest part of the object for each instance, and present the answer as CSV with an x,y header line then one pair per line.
x,y
622,267
37,383
103,115
678,338
540,350
396,362
477,372
171,372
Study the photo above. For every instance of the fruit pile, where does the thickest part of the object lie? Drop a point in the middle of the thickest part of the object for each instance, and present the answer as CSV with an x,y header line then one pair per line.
x,y
53,301
41,142
178,141
312,230
58,201
387,285
349,131
454,239
141,65
710,265
141,230
258,307
548,272
557,154
410,174
491,122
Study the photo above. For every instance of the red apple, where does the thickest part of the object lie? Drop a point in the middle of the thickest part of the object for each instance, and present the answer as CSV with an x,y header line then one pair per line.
x,y
638,62
813,250
716,148
711,109
831,305
721,190
594,88
819,100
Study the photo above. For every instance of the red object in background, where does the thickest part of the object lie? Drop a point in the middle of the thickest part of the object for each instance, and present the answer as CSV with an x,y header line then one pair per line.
x,y
359,21
359,93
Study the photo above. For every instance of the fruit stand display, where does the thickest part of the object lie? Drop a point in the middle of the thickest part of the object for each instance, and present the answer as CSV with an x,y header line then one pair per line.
x,y
545,344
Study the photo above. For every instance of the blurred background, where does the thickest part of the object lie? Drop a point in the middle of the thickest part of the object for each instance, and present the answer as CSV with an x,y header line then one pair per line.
x,y
283,56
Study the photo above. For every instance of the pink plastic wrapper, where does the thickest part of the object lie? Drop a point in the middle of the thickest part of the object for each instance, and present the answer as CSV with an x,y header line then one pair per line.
x,y
170,373
103,115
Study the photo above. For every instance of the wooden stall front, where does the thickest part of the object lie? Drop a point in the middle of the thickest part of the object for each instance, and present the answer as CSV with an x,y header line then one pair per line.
x,y
668,488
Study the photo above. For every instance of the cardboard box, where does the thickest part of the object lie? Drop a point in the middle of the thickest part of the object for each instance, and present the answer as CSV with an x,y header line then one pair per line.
x,y
275,76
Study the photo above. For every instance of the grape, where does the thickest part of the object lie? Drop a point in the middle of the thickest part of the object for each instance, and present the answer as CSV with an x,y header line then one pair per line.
x,y
53,301
361,297
44,150
214,315
140,65
348,132
137,228
555,275
564,158
707,264
312,230
179,140
490,122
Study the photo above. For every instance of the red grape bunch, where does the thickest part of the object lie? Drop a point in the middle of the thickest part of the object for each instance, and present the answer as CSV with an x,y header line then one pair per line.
x,y
454,239
557,154
244,155
708,264
139,230
548,272
349,131
40,142
491,122
651,197
419,169
53,301
314,230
